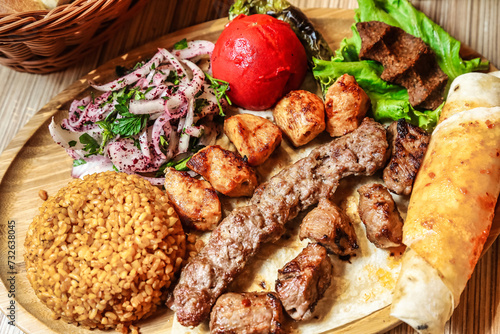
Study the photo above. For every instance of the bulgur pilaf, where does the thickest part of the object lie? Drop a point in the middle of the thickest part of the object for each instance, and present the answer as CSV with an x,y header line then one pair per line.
x,y
103,250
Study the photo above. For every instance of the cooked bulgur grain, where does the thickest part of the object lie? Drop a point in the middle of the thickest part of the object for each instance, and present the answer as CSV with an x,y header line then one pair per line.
x,y
104,250
43,194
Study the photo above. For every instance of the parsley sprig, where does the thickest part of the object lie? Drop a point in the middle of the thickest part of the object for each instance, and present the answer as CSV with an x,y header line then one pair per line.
x,y
120,122
220,88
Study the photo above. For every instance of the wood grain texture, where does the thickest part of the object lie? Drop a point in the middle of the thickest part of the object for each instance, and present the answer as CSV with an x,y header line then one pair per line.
x,y
474,22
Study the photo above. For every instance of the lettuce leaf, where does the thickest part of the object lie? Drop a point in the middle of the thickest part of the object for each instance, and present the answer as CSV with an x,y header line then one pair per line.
x,y
389,101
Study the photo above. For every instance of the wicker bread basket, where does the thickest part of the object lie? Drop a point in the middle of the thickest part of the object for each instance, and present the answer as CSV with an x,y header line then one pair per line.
x,y
47,41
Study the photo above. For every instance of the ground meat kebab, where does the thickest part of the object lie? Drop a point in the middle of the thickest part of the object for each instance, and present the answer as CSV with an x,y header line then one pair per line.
x,y
295,188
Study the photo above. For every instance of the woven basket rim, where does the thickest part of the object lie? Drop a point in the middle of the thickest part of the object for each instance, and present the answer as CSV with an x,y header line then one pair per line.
x,y
46,43
29,23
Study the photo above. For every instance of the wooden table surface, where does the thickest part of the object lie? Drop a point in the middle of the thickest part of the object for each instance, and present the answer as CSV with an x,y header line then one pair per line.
x,y
474,22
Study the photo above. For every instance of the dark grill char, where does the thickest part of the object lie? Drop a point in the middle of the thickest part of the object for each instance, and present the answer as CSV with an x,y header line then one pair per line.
x,y
407,61
302,282
408,145
384,225
295,188
327,225
247,313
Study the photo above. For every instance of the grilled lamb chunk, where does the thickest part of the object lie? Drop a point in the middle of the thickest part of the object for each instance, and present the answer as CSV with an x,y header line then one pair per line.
x,y
329,226
302,282
384,225
239,236
247,313
409,144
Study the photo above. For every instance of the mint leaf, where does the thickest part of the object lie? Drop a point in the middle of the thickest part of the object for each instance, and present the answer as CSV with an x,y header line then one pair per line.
x,y
91,145
180,45
79,162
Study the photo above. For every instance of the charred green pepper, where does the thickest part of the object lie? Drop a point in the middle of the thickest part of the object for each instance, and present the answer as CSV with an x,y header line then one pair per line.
x,y
312,40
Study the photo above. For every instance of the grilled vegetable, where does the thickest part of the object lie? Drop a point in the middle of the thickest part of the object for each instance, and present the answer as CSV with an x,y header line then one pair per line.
x,y
260,58
312,40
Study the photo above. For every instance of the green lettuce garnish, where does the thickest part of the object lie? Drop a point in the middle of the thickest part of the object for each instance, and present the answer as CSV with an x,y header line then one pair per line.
x,y
390,101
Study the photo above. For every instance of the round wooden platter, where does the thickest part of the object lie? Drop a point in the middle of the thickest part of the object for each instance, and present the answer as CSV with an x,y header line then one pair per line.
x,y
33,162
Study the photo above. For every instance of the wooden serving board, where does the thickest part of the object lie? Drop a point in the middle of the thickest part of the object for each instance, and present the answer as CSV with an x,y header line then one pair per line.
x,y
33,162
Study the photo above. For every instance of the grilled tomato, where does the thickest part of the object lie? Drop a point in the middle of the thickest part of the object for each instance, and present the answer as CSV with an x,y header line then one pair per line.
x,y
261,58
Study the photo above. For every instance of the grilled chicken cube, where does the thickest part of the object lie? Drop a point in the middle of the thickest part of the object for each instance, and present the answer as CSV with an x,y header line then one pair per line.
x,y
254,137
303,281
247,313
384,225
226,171
195,201
409,144
301,116
329,226
346,104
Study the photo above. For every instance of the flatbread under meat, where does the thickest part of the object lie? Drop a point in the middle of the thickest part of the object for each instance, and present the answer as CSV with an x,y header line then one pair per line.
x,y
239,236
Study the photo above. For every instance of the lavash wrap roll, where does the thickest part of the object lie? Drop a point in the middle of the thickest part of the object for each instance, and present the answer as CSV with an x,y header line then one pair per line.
x,y
452,205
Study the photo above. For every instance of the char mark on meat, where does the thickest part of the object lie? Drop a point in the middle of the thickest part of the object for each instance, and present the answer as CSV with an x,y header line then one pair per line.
x,y
407,61
409,144
303,281
295,188
384,225
327,225
249,313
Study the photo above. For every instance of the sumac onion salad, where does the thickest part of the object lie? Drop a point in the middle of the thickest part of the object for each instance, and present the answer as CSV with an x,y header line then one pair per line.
x,y
154,116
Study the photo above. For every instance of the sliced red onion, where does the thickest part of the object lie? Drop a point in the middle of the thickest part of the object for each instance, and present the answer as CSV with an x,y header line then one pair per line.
x,y
184,138
158,78
161,126
131,77
144,142
139,107
168,105
143,83
178,112
93,112
194,49
156,92
76,154
181,72
93,164
74,109
63,137
128,158
196,82
187,91
194,131
212,107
